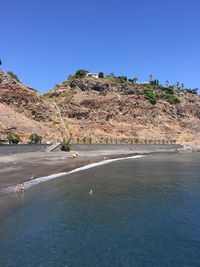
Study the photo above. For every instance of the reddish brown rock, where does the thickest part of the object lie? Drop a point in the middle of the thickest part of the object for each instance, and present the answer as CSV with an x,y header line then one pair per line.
x,y
102,110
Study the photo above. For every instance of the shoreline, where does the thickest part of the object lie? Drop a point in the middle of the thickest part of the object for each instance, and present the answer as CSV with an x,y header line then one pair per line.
x,y
20,168
28,184
42,164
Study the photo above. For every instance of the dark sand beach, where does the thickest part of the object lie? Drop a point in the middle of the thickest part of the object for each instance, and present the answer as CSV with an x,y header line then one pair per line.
x,y
19,168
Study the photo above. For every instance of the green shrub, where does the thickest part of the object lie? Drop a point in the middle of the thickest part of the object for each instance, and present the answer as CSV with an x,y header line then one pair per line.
x,y
66,82
67,95
101,75
35,138
111,77
65,145
14,138
154,82
172,99
192,91
122,79
70,78
170,90
150,96
14,76
81,73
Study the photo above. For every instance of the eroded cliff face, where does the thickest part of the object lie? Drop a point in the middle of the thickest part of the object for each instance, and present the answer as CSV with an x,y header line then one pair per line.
x,y
100,109
23,111
113,112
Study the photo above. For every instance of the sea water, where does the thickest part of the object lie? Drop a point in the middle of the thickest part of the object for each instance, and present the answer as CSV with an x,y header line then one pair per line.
x,y
141,212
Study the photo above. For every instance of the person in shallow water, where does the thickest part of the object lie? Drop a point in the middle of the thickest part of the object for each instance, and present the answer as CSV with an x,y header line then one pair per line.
x,y
19,188
90,192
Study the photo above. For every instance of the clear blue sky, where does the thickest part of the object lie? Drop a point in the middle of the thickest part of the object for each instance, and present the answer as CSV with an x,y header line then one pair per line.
x,y
43,41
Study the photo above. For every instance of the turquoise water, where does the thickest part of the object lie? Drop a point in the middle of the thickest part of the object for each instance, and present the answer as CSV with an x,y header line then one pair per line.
x,y
143,212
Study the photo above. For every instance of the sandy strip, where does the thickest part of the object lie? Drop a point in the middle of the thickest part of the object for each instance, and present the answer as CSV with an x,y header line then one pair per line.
x,y
21,168
26,185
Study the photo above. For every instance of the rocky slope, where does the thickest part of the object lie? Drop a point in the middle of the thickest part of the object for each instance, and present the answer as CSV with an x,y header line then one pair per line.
x,y
23,111
110,111
101,109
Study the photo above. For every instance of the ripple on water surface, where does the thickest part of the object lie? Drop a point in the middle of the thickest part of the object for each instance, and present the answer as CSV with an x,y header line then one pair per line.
x,y
143,212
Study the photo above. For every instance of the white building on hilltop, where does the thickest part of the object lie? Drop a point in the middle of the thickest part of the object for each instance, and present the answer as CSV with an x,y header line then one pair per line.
x,y
92,75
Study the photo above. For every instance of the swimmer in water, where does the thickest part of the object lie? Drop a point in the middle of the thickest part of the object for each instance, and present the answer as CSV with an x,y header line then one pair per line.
x,y
19,188
90,193
22,188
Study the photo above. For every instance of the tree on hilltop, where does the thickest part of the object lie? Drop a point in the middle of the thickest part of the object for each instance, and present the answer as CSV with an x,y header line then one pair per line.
x,y
150,78
178,85
112,74
81,73
166,83
135,79
101,75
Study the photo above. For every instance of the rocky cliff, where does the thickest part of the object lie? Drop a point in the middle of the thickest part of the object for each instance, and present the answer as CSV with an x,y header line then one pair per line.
x,y
102,110
23,110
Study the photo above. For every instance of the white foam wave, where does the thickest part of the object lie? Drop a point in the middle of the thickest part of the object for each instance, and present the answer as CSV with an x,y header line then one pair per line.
x,y
43,179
